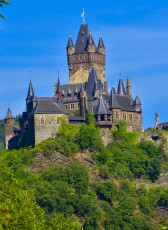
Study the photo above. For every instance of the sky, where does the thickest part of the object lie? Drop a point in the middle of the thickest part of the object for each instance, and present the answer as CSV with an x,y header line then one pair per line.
x,y
33,44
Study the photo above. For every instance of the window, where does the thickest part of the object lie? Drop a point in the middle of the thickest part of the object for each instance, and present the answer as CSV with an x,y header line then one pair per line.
x,y
102,118
124,116
117,115
130,117
72,106
66,106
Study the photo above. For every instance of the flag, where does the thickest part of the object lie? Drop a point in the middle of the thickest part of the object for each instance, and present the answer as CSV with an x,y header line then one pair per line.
x,y
82,14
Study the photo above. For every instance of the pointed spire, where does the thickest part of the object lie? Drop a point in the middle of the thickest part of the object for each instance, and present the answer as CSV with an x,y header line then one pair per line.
x,y
70,42
82,88
69,90
90,41
137,101
112,101
101,107
137,104
9,114
121,88
58,84
76,90
101,43
30,91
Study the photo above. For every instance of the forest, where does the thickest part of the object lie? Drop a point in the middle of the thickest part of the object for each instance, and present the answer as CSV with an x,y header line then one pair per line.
x,y
74,182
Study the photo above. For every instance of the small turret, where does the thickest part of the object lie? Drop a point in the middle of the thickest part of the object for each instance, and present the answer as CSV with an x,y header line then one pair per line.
x,y
121,88
30,93
58,89
70,46
91,48
9,125
83,102
137,104
128,88
101,47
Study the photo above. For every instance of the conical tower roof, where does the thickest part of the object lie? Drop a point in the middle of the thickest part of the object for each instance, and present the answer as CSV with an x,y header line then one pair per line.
x,y
113,101
137,101
101,43
121,88
9,114
82,39
102,108
90,40
30,93
92,83
70,42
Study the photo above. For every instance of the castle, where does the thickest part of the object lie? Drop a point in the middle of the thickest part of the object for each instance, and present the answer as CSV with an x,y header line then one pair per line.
x,y
87,91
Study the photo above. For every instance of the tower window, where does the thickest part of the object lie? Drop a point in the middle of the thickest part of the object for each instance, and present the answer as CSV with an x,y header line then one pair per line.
x,y
66,106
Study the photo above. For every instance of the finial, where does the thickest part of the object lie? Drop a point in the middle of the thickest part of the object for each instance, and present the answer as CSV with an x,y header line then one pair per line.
x,y
83,15
58,73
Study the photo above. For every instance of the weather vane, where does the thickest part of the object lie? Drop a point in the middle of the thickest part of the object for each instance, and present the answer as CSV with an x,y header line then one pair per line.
x,y
83,15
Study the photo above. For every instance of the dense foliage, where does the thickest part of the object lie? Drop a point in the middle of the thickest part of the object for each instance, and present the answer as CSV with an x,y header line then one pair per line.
x,y
64,197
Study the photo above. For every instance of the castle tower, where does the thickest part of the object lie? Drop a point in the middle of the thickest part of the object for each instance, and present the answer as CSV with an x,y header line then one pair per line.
x,y
9,125
30,99
84,55
128,88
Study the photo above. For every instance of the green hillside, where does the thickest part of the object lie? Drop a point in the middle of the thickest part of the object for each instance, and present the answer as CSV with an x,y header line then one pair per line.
x,y
2,132
74,182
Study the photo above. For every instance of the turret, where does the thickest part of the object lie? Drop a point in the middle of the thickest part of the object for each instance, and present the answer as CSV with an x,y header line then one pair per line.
x,y
137,104
31,99
70,46
101,47
91,48
121,88
9,125
128,88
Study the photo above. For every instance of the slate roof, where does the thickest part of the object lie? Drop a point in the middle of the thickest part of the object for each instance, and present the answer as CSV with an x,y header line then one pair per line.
x,y
121,88
92,83
48,106
82,39
70,42
30,93
101,43
101,108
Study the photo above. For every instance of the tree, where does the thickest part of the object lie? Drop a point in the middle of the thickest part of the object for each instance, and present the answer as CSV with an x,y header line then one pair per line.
x,y
2,3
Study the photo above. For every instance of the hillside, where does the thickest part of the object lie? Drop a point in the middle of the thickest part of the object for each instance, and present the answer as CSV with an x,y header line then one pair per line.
x,y
2,133
74,182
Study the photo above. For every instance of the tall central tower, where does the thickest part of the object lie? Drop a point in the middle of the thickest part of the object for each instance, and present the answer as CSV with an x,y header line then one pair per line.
x,y
85,54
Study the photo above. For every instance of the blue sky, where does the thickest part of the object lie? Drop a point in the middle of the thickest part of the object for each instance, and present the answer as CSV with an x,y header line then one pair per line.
x,y
35,36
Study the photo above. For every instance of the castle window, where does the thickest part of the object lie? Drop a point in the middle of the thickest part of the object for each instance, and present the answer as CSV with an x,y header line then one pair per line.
x,y
42,120
102,118
58,120
117,115
66,106
124,116
130,117
72,106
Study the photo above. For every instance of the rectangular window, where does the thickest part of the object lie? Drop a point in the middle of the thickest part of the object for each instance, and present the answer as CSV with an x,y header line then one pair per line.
x,y
66,106
130,117
124,116
72,106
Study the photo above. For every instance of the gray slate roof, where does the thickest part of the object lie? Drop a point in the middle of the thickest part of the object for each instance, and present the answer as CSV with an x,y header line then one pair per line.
x,y
82,39
9,114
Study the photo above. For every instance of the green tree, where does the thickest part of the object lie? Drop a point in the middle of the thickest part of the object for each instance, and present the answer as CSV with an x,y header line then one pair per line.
x,y
2,3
